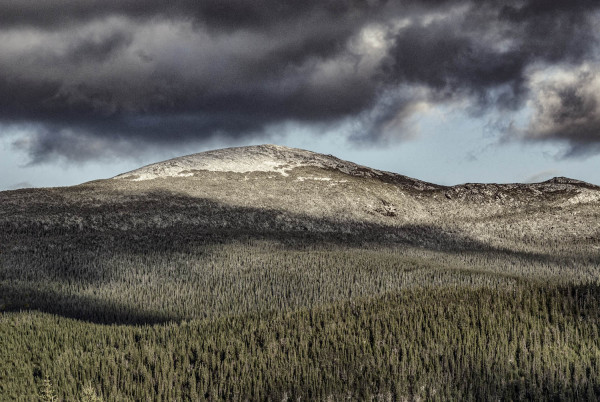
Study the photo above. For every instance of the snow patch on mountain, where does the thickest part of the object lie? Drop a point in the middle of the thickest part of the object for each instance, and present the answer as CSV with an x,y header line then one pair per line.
x,y
258,158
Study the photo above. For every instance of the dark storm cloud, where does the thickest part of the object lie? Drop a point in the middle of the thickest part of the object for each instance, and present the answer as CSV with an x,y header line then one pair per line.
x,y
84,79
467,53
228,14
567,108
98,49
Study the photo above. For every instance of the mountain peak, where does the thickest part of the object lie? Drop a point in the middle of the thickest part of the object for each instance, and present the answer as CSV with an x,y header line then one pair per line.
x,y
254,158
564,180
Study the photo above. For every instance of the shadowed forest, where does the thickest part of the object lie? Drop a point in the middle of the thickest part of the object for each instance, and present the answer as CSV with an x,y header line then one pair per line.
x,y
180,298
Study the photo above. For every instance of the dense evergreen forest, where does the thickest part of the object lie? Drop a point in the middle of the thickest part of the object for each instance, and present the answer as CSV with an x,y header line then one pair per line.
x,y
154,300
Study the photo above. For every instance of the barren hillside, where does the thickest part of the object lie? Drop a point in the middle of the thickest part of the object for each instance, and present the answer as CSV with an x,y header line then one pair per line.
x,y
274,189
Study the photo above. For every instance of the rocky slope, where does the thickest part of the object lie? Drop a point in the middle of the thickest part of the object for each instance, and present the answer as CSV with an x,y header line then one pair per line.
x,y
264,158
275,189
282,161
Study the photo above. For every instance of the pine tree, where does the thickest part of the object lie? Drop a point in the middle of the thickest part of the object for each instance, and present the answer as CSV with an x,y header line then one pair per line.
x,y
89,394
47,393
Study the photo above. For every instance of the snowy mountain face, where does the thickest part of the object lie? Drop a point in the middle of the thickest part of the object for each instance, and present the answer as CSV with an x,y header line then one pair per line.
x,y
282,160
265,158
259,158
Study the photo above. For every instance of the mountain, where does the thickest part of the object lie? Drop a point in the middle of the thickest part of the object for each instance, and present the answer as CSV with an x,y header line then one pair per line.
x,y
273,189
322,193
273,273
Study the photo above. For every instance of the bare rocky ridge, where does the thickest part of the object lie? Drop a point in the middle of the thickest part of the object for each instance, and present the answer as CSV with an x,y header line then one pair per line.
x,y
284,162
280,159
275,189
262,158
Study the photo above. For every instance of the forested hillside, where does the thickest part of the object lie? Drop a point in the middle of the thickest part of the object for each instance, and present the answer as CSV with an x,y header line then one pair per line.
x,y
245,286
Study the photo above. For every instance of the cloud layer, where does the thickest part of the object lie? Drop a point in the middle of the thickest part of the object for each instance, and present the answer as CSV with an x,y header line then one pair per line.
x,y
566,106
86,79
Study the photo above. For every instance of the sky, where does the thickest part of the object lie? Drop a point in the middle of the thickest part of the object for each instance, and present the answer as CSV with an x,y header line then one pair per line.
x,y
448,91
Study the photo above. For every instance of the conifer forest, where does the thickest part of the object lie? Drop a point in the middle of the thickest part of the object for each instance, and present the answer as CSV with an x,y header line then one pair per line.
x,y
109,295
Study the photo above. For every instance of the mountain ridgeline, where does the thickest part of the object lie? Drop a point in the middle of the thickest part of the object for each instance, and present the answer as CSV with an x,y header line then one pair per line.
x,y
307,191
267,272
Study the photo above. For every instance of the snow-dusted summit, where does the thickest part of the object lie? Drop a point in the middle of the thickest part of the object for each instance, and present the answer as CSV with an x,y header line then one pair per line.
x,y
257,158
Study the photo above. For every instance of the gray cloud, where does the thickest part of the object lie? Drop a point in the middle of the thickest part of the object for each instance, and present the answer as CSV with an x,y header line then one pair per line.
x,y
98,49
111,77
566,108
